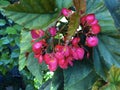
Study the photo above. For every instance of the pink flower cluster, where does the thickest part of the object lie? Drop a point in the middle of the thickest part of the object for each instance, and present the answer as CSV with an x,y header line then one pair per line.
x,y
62,54
40,33
89,21
37,33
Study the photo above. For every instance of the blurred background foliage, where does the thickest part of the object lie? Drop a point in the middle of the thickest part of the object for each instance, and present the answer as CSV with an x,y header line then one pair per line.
x,y
10,76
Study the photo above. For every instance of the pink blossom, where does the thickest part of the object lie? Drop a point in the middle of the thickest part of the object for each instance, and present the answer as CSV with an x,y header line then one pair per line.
x,y
52,31
80,53
37,34
52,64
83,20
63,63
75,41
47,58
94,22
74,53
59,55
92,41
95,29
36,55
58,48
70,59
66,51
90,18
40,59
36,47
66,12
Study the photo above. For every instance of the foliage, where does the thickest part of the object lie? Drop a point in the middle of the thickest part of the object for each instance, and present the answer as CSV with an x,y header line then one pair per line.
x,y
104,56
113,81
10,51
37,14
74,19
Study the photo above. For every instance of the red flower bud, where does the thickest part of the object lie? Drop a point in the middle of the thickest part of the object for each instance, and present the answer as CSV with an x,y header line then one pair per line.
x,y
66,12
92,41
52,31
95,29
36,47
90,18
37,33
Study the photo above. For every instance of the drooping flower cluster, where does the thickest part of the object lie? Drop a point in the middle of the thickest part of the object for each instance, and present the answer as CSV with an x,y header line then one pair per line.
x,y
91,28
62,54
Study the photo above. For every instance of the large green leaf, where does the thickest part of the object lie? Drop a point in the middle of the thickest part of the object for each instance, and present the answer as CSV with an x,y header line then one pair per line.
x,y
31,6
114,8
36,14
107,52
79,77
73,25
58,80
80,5
25,46
4,3
35,68
46,85
105,19
99,64
109,49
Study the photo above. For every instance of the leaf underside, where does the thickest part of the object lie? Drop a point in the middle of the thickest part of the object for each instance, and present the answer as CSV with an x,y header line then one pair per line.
x,y
38,14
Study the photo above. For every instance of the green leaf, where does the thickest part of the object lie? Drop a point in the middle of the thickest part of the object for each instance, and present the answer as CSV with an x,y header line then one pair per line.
x,y
99,64
35,68
2,32
107,52
63,3
58,80
103,15
17,41
114,8
80,5
113,80
29,87
25,46
73,25
11,30
2,22
18,27
36,14
79,77
33,6
46,85
6,40
98,84
4,3
114,75
15,53
75,18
